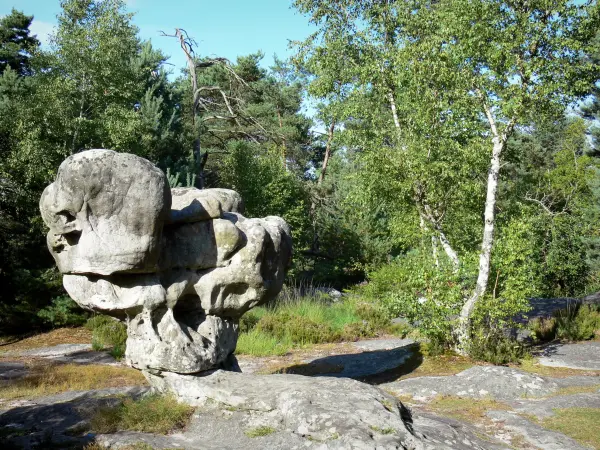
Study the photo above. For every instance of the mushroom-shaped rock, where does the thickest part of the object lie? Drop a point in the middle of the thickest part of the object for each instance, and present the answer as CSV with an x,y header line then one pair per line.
x,y
178,266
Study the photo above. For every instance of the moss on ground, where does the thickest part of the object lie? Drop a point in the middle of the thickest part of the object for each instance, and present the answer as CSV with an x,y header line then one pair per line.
x,y
259,431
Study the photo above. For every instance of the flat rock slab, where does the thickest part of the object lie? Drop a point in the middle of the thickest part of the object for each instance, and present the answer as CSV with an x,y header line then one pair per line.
x,y
543,408
300,412
52,352
382,344
65,353
583,355
227,430
10,370
498,382
377,357
534,434
356,365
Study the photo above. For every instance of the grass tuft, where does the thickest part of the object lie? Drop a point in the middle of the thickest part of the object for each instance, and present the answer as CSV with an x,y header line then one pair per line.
x,y
259,431
151,414
49,379
108,332
258,343
275,330
382,430
579,423
575,323
467,409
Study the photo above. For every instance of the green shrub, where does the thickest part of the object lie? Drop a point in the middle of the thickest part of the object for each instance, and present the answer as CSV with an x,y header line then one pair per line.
x,y
249,320
578,323
63,312
543,329
492,345
310,320
108,332
151,414
374,315
415,288
575,323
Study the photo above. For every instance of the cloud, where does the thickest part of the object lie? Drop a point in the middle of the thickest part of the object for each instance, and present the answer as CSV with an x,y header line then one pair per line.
x,y
42,30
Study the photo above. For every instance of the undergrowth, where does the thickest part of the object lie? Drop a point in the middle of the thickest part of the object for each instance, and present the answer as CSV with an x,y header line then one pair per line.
x,y
108,332
151,414
575,323
276,329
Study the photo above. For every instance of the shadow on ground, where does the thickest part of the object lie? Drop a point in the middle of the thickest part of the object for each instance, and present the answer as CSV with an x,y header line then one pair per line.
x,y
58,421
375,367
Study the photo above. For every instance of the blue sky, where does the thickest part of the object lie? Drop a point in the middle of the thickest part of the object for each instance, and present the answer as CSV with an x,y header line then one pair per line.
x,y
221,27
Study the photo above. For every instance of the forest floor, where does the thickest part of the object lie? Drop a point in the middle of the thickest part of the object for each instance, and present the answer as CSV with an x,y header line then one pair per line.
x,y
51,385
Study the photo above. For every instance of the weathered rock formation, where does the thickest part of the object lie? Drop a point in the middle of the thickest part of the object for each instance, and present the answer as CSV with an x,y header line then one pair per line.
x,y
180,266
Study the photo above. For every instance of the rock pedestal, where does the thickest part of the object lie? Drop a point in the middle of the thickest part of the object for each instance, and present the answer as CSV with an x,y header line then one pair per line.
x,y
179,266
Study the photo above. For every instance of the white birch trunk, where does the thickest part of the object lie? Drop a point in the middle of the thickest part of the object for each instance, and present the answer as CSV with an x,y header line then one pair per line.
x,y
486,245
452,255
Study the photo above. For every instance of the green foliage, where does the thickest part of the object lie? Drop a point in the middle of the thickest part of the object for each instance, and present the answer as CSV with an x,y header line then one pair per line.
x,y
543,329
492,345
257,343
16,42
414,288
578,323
151,414
309,320
63,312
267,187
108,332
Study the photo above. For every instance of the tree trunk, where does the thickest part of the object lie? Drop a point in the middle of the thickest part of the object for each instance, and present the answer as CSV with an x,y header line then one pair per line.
x,y
200,158
450,252
313,206
499,143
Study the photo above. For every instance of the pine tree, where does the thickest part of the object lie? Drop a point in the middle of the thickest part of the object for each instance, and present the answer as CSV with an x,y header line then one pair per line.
x,y
16,42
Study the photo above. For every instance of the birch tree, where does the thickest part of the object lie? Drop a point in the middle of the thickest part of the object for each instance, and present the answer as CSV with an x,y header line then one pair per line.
x,y
522,59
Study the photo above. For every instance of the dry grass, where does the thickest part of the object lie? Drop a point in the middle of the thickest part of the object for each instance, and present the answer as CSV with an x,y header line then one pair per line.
x,y
466,409
441,365
572,390
46,378
533,366
79,335
151,414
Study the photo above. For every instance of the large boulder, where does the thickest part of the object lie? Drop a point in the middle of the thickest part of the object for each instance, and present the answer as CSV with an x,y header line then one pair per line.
x,y
105,212
178,266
